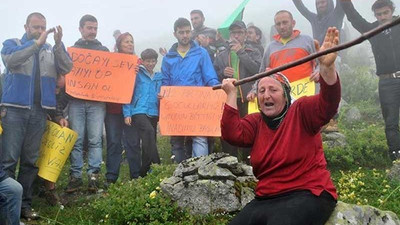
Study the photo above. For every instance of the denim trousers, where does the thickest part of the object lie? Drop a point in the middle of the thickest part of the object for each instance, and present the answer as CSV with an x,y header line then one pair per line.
x,y
131,141
86,116
389,96
10,201
147,129
199,147
22,134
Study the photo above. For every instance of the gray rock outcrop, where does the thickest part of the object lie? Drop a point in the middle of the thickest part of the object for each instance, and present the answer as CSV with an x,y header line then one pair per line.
x,y
334,139
361,215
214,183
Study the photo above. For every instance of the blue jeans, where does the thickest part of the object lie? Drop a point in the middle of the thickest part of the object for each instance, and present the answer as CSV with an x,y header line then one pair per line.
x,y
114,126
10,201
133,151
199,147
86,116
389,95
22,134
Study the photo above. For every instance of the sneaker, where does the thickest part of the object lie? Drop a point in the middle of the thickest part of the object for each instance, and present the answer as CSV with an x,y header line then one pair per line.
x,y
93,182
29,214
51,197
73,185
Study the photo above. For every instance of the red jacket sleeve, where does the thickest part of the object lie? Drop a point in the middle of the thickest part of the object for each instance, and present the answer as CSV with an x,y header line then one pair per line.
x,y
238,131
318,110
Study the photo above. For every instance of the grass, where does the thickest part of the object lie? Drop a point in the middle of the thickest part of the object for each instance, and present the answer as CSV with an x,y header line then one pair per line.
x,y
375,190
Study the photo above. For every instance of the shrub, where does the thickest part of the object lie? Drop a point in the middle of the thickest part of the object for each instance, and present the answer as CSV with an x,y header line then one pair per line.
x,y
368,187
142,202
365,147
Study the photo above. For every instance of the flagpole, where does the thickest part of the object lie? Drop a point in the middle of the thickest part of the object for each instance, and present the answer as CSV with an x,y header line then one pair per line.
x,y
313,56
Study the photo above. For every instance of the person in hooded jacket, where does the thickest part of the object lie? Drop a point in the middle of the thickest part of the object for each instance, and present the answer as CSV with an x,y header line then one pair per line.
x,y
327,16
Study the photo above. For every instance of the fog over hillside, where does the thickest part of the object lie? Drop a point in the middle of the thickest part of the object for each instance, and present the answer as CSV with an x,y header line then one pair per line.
x,y
150,21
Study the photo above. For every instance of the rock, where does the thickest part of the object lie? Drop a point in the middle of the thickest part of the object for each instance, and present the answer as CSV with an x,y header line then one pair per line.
x,y
174,189
213,183
228,162
207,196
394,172
360,215
352,115
334,139
215,172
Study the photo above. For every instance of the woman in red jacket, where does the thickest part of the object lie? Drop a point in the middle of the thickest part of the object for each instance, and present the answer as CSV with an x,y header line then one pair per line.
x,y
287,157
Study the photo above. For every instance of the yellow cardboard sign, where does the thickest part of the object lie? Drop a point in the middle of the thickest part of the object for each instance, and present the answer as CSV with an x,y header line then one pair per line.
x,y
252,107
302,87
57,143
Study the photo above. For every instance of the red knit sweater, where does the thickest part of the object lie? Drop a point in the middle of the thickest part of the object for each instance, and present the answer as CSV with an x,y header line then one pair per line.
x,y
291,157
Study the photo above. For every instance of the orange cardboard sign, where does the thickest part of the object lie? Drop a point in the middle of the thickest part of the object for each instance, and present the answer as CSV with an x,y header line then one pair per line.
x,y
191,111
101,76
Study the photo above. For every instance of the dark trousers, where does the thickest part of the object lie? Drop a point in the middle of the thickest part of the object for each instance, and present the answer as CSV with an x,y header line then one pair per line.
x,y
389,96
233,150
114,124
133,151
294,208
147,130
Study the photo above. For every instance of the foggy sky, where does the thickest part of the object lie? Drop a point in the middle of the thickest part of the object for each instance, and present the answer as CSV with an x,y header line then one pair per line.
x,y
149,21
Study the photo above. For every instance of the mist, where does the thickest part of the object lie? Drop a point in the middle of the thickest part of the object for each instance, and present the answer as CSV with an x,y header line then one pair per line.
x,y
149,21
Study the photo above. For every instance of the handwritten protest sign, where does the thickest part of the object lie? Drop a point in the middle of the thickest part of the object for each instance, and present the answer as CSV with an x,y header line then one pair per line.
x,y
191,111
57,143
101,76
302,87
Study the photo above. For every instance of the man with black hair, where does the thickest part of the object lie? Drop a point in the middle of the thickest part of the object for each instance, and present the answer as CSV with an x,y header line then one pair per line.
x,y
197,18
254,36
187,64
86,116
386,50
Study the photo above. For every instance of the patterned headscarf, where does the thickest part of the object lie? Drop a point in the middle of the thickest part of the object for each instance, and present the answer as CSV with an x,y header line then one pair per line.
x,y
274,123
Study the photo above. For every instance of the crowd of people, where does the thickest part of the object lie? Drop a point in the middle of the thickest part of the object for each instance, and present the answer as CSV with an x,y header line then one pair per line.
x,y
33,90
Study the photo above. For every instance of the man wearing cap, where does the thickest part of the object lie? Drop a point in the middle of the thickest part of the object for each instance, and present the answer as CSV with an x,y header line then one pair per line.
x,y
386,50
238,61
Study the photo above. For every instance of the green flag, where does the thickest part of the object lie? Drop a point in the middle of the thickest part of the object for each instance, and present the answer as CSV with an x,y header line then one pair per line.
x,y
236,15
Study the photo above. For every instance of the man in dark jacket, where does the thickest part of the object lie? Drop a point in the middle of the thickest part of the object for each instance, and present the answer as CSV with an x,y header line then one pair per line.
x,y
238,61
327,16
10,199
32,67
386,50
86,116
